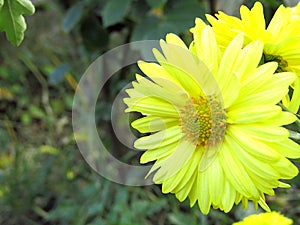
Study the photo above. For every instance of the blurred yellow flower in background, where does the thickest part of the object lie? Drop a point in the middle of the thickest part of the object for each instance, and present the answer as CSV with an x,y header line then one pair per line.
x,y
268,218
281,39
213,127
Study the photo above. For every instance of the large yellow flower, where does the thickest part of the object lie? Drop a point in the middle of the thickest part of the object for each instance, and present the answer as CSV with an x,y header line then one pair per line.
x,y
213,127
281,39
268,218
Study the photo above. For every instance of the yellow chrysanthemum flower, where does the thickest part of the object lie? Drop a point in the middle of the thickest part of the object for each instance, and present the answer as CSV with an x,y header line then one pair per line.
x,y
216,134
268,218
281,39
294,15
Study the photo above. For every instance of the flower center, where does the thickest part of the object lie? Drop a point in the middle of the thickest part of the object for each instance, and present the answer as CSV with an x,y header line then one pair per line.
x,y
282,64
203,121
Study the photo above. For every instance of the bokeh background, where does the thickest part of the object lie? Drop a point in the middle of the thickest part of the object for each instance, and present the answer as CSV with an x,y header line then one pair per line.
x,y
43,177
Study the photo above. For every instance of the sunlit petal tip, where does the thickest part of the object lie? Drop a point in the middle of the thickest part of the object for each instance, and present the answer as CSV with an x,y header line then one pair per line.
x,y
264,205
258,5
199,21
283,185
259,45
238,40
174,39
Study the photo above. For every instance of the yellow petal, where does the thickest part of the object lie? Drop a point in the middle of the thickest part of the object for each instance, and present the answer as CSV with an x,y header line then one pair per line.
x,y
155,71
153,123
182,193
216,182
226,77
252,114
158,153
261,131
175,162
287,148
257,148
235,172
151,106
175,40
229,196
248,60
204,200
295,100
159,139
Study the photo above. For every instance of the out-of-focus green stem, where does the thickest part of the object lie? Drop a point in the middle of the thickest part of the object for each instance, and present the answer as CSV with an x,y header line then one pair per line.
x,y
212,6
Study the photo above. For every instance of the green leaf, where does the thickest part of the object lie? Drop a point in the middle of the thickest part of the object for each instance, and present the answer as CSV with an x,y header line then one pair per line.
x,y
12,20
47,149
59,73
178,17
1,3
114,11
36,112
182,14
151,28
138,10
156,3
180,218
94,36
72,16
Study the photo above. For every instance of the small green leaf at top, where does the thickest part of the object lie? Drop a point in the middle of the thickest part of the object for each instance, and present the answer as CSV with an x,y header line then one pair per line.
x,y
114,11
178,17
156,3
73,16
12,20
59,73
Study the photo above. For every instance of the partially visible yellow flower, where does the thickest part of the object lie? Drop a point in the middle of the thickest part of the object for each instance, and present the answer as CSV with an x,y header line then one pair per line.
x,y
268,218
211,121
281,39
293,104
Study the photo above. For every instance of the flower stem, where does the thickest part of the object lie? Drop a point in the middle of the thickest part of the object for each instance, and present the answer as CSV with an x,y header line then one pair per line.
x,y
212,6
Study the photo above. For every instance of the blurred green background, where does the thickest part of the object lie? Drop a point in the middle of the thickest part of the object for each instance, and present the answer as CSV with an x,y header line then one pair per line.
x,y
43,177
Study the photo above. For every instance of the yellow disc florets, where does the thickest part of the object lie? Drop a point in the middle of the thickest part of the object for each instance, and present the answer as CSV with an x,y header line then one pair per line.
x,y
203,121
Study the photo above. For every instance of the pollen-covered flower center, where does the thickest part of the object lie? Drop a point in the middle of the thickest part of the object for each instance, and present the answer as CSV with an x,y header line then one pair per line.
x,y
282,64
203,121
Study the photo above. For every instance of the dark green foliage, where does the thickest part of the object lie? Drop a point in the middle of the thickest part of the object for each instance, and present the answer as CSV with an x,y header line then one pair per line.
x,y
58,74
176,17
72,16
114,11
